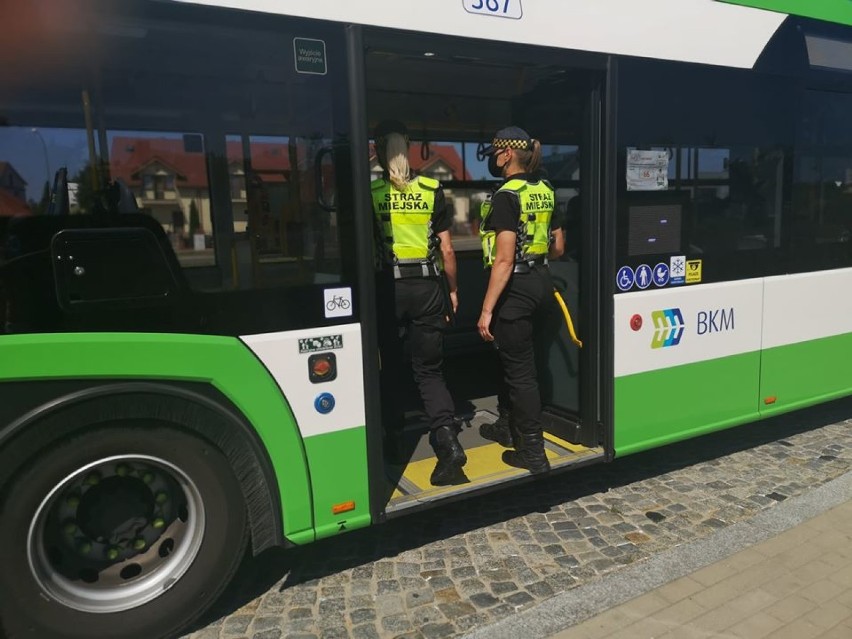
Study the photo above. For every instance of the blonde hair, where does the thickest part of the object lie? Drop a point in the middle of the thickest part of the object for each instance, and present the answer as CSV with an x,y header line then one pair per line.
x,y
396,160
530,160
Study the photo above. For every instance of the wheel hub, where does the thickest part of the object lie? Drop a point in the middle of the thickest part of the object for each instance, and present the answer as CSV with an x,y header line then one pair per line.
x,y
115,510
116,533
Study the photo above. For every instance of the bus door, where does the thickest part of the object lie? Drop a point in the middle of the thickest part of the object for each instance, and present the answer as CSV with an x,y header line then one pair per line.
x,y
453,95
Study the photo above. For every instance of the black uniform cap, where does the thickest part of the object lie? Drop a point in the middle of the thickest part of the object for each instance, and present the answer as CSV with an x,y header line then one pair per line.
x,y
512,137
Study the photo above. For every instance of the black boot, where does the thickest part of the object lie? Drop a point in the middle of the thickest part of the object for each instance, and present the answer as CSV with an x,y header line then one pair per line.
x,y
529,454
450,456
499,431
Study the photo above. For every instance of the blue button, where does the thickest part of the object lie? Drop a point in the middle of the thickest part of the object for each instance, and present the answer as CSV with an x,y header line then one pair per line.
x,y
324,403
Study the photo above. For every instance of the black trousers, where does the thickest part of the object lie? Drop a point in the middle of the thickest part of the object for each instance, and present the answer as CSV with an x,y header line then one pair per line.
x,y
416,308
521,310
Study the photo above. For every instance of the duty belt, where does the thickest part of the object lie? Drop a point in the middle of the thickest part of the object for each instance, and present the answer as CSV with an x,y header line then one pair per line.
x,y
525,266
423,269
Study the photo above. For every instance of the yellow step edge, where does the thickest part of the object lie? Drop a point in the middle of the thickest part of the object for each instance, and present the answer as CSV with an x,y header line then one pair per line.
x,y
574,448
482,462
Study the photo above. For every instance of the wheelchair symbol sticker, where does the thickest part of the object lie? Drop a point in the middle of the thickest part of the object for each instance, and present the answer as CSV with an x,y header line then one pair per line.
x,y
625,278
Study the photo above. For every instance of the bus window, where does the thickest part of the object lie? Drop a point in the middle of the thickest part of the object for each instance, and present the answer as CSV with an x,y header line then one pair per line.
x,y
285,230
167,174
206,126
822,177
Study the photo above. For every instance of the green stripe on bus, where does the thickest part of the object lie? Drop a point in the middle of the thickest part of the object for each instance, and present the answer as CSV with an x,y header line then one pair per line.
x,y
664,406
223,362
798,375
339,475
839,11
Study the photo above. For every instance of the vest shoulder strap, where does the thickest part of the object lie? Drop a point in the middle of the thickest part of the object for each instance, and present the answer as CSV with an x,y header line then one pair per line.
x,y
428,183
515,186
547,184
377,185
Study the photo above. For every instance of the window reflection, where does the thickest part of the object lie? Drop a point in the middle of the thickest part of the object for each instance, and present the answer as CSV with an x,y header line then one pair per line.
x,y
29,157
282,225
166,172
140,107
822,189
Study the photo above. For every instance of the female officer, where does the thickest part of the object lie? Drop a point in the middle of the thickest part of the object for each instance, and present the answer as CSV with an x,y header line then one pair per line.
x,y
516,241
417,252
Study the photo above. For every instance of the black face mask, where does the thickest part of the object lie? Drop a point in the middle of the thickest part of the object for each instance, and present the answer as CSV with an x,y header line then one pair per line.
x,y
493,169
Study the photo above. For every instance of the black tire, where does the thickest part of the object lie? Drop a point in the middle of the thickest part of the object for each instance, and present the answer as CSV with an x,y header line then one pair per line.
x,y
28,609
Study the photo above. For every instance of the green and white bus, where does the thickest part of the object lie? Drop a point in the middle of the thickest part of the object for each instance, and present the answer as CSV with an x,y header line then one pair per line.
x,y
189,363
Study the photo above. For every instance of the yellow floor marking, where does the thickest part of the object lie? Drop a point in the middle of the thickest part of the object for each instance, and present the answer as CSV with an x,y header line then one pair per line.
x,y
482,461
574,448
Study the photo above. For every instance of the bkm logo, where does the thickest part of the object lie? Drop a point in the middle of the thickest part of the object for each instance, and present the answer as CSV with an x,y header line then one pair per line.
x,y
717,321
668,327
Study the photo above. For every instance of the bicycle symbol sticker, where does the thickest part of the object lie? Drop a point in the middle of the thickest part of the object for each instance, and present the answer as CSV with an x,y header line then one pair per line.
x,y
338,302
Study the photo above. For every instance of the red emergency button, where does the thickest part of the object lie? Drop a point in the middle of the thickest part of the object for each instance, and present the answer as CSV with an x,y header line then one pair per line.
x,y
636,322
322,367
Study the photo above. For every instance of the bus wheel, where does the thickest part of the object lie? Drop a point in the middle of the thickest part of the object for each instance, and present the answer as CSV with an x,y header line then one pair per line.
x,y
118,532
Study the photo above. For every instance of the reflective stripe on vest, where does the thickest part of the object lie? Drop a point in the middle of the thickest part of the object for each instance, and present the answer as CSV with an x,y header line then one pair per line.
x,y
537,202
405,218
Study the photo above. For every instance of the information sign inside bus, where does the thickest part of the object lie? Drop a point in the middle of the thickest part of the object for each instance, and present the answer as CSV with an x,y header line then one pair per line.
x,y
310,56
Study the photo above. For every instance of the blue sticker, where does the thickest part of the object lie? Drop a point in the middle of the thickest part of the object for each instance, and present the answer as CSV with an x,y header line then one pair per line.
x,y
661,274
324,403
677,269
643,276
624,279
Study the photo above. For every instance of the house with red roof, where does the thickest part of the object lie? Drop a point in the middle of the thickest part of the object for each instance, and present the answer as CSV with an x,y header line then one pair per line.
x,y
13,192
169,174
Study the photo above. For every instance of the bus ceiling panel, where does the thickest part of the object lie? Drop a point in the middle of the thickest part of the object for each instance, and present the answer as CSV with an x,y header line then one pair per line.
x,y
437,115
454,76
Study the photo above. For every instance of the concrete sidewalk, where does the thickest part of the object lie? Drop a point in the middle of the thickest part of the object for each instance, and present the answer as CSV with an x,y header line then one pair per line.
x,y
797,585
786,572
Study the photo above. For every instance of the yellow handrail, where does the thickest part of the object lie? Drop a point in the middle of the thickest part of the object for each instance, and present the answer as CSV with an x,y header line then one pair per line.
x,y
568,320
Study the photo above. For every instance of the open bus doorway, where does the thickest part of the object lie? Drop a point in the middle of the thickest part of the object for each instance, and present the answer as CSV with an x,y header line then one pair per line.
x,y
452,96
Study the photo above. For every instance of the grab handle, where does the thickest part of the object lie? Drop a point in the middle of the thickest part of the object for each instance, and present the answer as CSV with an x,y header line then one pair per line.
x,y
568,321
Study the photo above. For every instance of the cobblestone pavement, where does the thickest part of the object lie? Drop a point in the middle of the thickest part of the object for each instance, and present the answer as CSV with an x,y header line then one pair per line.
x,y
461,566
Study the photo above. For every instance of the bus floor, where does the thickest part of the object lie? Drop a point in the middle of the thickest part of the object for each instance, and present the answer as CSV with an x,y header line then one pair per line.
x,y
408,485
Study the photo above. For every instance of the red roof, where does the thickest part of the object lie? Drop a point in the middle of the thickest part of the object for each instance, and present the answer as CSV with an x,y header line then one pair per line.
x,y
10,206
445,153
129,156
6,166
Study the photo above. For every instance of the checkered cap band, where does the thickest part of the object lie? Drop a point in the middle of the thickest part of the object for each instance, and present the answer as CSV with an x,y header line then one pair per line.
x,y
523,145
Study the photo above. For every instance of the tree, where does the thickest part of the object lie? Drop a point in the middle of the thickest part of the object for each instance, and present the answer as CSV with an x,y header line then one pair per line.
x,y
87,196
194,219
40,207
